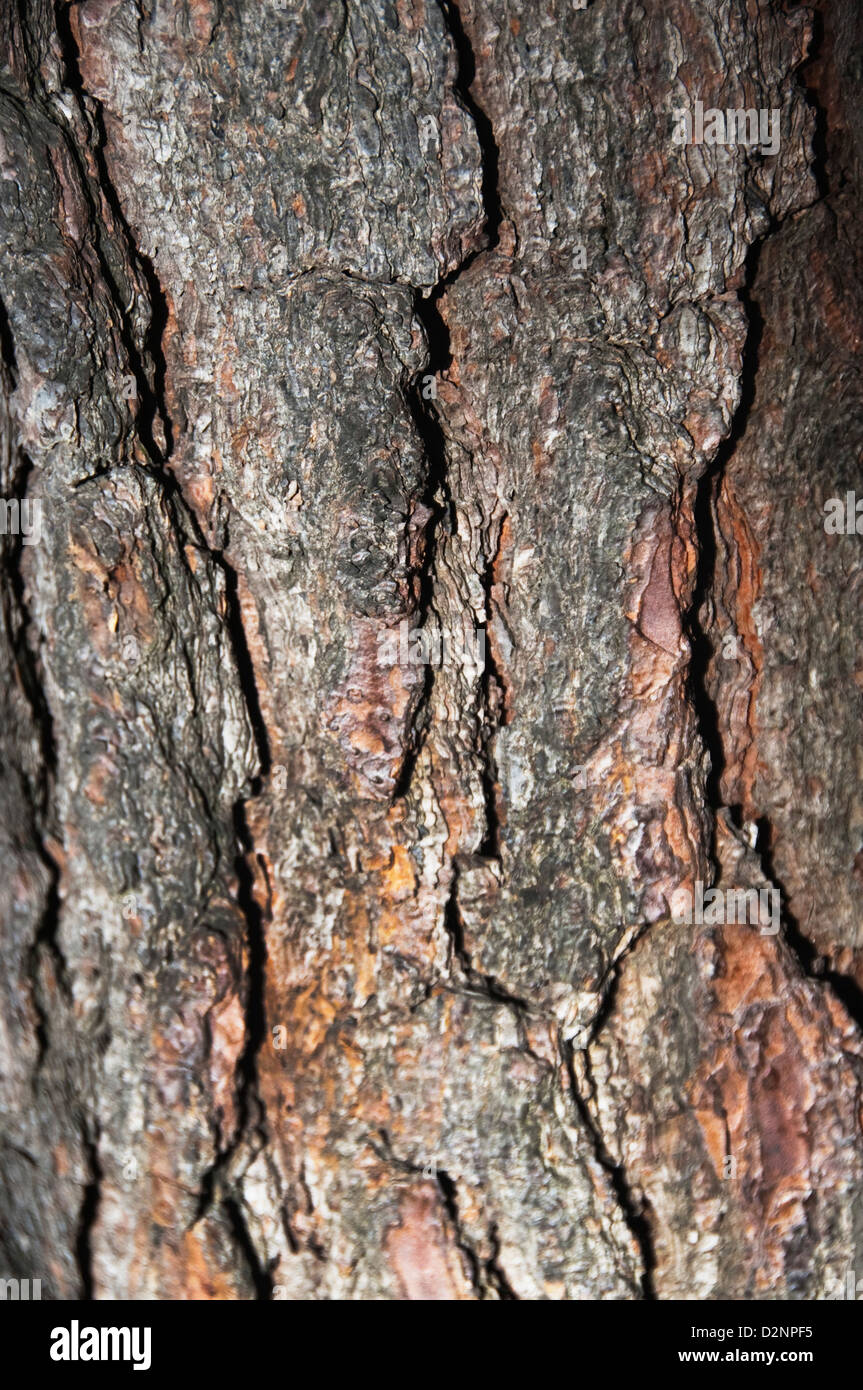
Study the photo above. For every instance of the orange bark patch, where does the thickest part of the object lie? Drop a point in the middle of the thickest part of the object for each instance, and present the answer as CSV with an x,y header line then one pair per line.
x,y
769,1091
741,590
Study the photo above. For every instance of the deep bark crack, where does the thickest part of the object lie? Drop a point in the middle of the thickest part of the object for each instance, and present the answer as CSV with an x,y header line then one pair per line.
x,y
484,1274
706,707
812,964
706,529
36,794
261,1276
430,424
634,1212
88,1214
153,410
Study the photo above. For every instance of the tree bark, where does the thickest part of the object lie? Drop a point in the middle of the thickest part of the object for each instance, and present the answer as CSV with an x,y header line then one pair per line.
x,y
342,962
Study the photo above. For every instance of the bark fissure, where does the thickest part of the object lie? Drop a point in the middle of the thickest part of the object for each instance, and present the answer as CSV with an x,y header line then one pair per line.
x,y
262,1278
37,796
431,422
491,678
485,1273
812,964
153,408
475,981
251,1129
704,520
437,497
89,1212
482,124
494,215
635,1213
705,704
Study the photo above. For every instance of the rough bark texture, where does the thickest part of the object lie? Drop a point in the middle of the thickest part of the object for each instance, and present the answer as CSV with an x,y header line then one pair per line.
x,y
326,975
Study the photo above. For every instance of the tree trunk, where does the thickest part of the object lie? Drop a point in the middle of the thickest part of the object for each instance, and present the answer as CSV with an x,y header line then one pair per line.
x,y
431,596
